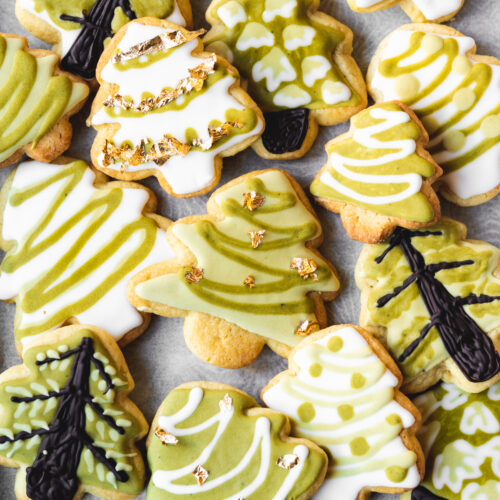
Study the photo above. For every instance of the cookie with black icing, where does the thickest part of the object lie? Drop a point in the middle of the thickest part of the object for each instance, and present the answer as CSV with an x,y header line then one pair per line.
x,y
297,63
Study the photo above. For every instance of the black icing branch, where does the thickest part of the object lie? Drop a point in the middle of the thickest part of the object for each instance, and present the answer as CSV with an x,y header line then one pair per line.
x,y
469,347
85,52
53,474
285,130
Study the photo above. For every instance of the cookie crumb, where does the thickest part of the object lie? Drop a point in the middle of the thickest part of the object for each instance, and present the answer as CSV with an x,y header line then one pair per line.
x,y
249,281
306,327
226,403
193,275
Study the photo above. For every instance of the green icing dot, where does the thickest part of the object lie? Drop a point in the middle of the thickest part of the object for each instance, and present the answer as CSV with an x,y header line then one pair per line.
x,y
393,419
306,412
357,381
315,370
395,473
359,446
346,412
334,344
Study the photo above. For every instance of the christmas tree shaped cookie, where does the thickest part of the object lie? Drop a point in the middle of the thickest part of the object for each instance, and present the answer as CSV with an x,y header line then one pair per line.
x,y
297,63
80,29
66,421
433,298
36,101
73,241
168,109
212,441
379,175
341,391
461,438
455,93
420,11
246,274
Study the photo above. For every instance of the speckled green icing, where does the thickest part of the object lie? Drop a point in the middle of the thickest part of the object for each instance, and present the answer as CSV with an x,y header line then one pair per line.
x,y
53,376
461,441
237,447
223,249
406,314
32,99
285,56
377,167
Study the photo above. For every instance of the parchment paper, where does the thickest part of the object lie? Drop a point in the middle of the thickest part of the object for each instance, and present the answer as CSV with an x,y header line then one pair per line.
x,y
159,360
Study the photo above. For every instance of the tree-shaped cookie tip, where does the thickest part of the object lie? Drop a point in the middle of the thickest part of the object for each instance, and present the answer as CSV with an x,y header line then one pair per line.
x,y
434,297
66,421
246,274
297,63
341,391
36,101
167,108
379,175
213,441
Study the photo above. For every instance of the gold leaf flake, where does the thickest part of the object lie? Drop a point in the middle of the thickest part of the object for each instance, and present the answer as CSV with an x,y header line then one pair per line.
x,y
306,327
305,267
215,134
159,43
159,152
193,275
253,200
249,281
200,474
226,403
165,437
288,461
195,80
256,237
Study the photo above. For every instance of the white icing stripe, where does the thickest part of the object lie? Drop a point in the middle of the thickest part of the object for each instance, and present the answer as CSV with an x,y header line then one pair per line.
x,y
20,221
478,175
165,480
366,137
325,382
68,37
435,9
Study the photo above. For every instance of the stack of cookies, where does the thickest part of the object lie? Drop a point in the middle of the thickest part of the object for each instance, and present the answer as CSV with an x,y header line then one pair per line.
x,y
406,402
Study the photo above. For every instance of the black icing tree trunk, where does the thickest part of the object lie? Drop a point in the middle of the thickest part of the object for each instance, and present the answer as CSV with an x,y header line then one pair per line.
x,y
285,130
422,493
53,474
84,54
469,347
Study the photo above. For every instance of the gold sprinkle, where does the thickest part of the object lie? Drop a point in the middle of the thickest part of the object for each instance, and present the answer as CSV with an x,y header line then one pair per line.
x,y
288,461
159,43
249,281
200,474
194,81
159,152
226,403
305,267
215,134
194,275
256,237
253,200
165,437
306,327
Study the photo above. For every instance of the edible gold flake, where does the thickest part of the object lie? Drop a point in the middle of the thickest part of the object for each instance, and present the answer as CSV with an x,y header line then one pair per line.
x,y
215,134
249,281
306,327
200,474
159,152
195,80
253,200
159,43
194,275
226,403
305,267
256,237
165,437
288,461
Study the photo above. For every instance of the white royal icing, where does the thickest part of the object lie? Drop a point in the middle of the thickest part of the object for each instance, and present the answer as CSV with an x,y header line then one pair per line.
x,y
479,175
371,405
275,8
274,74
112,312
431,9
194,171
231,14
